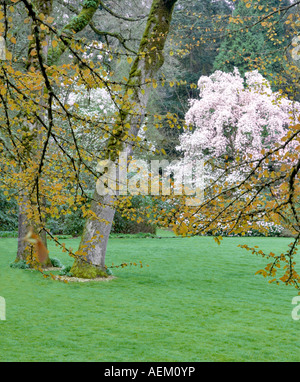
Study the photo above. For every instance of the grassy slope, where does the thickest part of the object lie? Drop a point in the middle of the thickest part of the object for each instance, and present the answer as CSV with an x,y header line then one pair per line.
x,y
196,301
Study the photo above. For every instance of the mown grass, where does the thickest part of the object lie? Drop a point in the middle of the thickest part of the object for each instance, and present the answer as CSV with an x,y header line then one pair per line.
x,y
196,301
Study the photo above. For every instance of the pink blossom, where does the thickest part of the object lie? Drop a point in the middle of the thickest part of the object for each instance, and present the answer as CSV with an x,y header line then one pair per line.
x,y
235,115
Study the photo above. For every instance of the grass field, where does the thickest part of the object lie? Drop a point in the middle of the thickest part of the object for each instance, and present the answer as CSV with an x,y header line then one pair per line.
x,y
196,301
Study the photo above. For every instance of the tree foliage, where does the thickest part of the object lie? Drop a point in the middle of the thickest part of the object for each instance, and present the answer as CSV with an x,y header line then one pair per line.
x,y
47,139
254,39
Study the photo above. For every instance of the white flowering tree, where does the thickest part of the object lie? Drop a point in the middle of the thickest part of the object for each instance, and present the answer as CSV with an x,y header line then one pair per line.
x,y
235,116
95,104
248,137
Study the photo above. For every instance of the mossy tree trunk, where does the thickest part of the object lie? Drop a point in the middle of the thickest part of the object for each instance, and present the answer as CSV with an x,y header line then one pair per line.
x,y
147,63
90,262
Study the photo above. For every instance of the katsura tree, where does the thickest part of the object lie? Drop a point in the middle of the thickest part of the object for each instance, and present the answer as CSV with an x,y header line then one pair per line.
x,y
44,28
46,138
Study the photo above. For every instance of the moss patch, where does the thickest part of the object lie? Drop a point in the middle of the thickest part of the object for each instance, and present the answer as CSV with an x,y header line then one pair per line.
x,y
86,270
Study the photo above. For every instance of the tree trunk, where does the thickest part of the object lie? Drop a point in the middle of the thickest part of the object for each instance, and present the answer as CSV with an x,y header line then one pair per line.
x,y
24,250
90,262
51,55
148,61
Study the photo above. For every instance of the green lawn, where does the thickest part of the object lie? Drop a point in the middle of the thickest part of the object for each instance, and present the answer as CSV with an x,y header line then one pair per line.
x,y
196,301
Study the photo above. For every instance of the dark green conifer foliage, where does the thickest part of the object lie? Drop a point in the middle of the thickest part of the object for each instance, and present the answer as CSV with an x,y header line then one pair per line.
x,y
250,44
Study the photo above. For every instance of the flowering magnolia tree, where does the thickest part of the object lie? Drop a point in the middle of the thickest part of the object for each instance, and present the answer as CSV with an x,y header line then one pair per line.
x,y
248,137
236,116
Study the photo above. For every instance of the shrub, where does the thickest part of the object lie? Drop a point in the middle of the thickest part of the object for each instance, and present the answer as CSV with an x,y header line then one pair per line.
x,y
67,224
268,229
21,264
56,263
8,233
66,271
124,224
